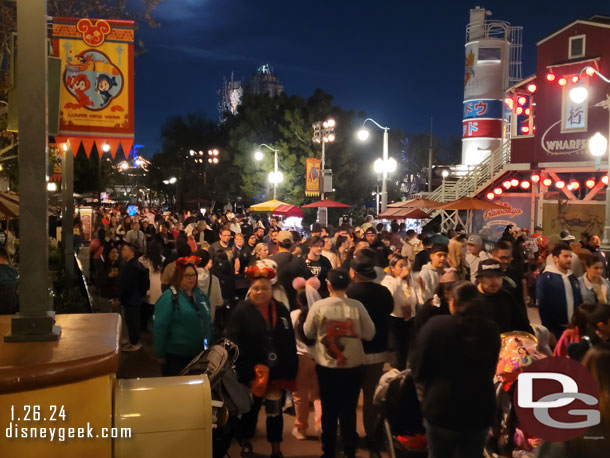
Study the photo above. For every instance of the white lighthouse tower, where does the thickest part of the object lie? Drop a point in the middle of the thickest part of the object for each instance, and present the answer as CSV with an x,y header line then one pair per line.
x,y
493,63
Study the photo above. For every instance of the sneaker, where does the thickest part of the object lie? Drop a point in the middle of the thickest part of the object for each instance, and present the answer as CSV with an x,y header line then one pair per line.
x,y
298,434
130,347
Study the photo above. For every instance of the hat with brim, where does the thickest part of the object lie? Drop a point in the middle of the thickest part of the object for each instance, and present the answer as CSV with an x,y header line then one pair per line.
x,y
489,268
364,268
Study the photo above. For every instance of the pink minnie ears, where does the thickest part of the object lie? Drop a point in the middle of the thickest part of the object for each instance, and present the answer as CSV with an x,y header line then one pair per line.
x,y
300,283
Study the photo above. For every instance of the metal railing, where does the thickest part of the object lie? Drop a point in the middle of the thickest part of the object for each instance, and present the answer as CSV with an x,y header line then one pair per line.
x,y
477,179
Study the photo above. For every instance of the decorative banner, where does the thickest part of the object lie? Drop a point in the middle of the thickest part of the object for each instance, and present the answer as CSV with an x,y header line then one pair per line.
x,y
575,217
516,211
483,108
86,218
312,177
491,128
55,161
96,89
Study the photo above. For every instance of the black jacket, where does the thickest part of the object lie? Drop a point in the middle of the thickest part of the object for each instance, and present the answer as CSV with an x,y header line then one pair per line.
x,y
134,284
248,328
506,312
454,359
290,267
105,286
379,302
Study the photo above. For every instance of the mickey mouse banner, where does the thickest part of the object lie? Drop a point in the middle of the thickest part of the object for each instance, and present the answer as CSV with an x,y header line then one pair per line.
x,y
96,88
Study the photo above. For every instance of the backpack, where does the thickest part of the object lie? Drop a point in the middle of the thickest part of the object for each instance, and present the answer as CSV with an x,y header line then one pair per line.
x,y
217,362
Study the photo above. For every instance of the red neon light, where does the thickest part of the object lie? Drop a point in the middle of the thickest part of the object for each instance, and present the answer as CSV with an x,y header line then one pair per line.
x,y
590,183
506,184
562,81
525,184
525,129
575,79
550,77
521,100
547,182
528,111
532,87
497,191
535,178
491,195
519,110
514,182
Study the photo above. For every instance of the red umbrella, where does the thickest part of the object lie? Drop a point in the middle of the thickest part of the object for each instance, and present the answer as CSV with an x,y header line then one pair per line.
x,y
416,203
326,203
288,210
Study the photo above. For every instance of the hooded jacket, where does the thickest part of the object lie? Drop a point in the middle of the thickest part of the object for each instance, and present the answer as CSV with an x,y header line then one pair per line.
x,y
556,303
429,278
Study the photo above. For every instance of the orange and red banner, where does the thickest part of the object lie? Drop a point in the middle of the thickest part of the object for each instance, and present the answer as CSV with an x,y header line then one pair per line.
x,y
96,93
312,177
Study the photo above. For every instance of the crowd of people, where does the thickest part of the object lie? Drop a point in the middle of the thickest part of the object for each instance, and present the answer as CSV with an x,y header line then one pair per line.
x,y
320,316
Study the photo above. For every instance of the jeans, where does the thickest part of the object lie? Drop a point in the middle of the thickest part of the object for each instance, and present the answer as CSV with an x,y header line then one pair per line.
x,y
370,412
133,320
339,391
449,443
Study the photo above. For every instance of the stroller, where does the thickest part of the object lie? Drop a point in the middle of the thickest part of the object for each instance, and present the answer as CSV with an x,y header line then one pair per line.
x,y
400,415
518,350
230,399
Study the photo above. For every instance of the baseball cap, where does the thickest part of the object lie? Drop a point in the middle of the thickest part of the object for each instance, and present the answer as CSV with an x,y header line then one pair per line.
x,y
364,267
282,236
370,230
475,240
439,247
565,235
489,267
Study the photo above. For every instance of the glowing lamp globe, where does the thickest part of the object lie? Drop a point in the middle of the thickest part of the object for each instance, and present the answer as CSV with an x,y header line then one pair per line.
x,y
562,81
550,77
363,135
605,179
532,87
590,71
506,184
598,144
535,178
378,166
497,191
573,185
514,182
547,182
391,165
521,100
105,148
560,184
259,155
525,185
578,94
331,123
590,183
490,195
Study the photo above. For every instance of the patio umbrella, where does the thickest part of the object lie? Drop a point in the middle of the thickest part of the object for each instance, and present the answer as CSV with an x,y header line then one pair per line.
x,y
9,205
404,213
268,206
417,203
469,203
326,203
288,210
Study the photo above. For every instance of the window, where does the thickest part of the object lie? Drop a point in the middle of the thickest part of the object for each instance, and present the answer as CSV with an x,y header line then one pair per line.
x,y
577,47
490,54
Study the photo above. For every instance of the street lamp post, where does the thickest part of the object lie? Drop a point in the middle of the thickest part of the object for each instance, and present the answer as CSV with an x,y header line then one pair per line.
x,y
598,144
363,134
276,176
323,132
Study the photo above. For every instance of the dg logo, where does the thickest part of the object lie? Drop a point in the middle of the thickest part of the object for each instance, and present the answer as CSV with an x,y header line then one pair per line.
x,y
556,399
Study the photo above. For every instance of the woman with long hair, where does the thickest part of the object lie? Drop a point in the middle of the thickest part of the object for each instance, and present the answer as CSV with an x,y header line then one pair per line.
x,y
182,324
259,253
593,286
153,261
405,300
107,275
456,257
267,362
341,249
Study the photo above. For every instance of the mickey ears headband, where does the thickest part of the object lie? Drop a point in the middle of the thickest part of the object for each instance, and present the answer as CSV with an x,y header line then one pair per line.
x,y
254,272
188,260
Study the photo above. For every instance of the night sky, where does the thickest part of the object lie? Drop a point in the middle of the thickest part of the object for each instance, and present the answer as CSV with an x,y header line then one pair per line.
x,y
401,62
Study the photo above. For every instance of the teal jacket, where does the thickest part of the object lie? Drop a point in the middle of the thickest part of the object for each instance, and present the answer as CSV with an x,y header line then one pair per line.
x,y
178,328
